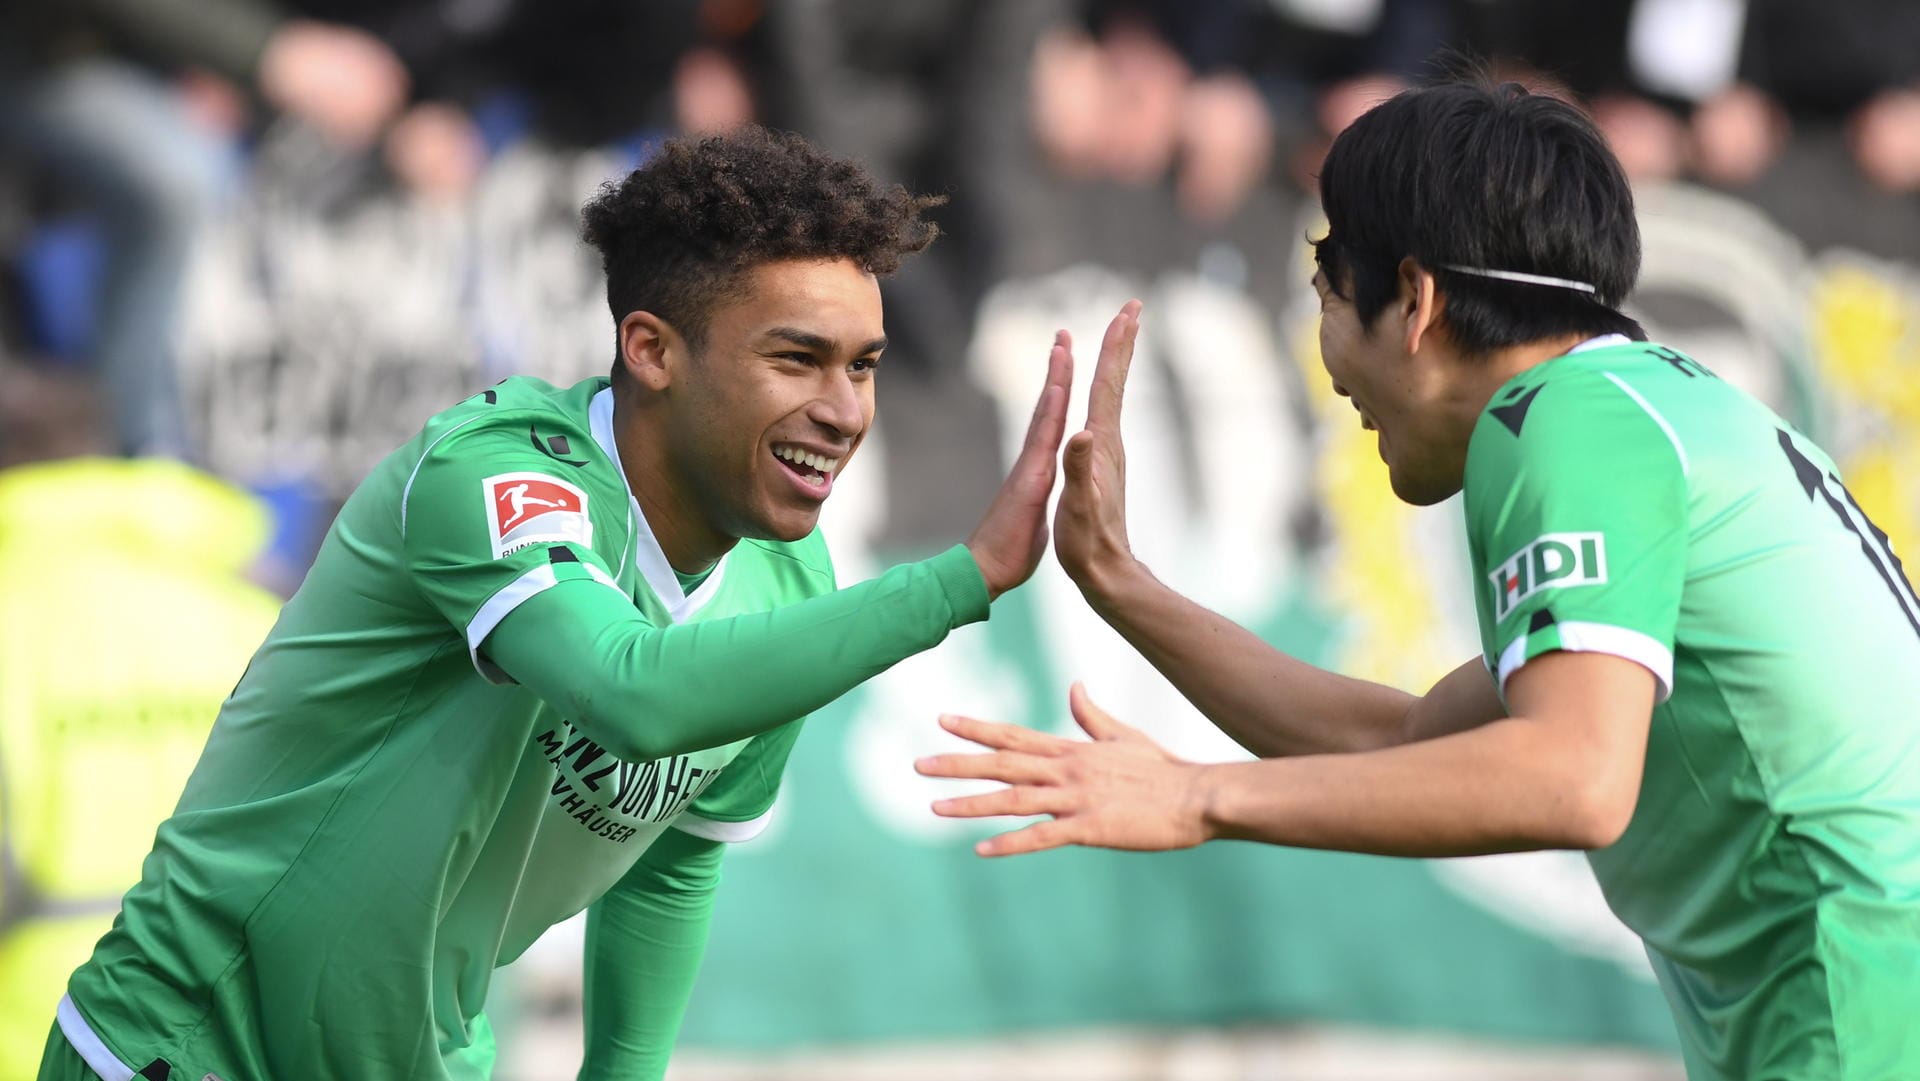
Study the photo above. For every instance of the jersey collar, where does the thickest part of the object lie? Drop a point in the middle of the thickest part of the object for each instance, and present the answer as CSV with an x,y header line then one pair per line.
x,y
1604,341
648,558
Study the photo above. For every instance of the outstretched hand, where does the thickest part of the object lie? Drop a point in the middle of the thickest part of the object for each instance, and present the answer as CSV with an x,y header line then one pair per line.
x,y
1011,538
1090,524
1121,790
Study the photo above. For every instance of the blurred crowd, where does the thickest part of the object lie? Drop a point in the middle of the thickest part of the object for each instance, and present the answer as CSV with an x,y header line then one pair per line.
x,y
1127,135
126,125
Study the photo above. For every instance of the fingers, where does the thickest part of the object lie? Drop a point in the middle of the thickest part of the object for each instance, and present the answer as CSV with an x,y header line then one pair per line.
x,y
1019,800
1093,720
1049,422
1079,457
1035,838
1060,361
1004,737
1009,766
1110,371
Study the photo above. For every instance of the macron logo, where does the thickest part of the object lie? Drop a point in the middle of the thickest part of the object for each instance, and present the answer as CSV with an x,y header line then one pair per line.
x,y
1553,561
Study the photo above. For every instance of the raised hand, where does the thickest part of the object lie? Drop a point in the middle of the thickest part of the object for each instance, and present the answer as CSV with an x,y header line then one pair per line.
x,y
1090,524
1011,538
1121,790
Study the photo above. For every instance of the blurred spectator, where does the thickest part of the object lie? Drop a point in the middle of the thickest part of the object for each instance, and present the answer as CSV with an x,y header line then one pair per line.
x,y
48,414
588,73
1134,91
77,108
1324,62
109,679
1716,88
1855,65
1582,52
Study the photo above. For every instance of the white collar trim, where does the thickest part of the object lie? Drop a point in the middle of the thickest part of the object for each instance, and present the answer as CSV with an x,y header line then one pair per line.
x,y
648,558
1604,341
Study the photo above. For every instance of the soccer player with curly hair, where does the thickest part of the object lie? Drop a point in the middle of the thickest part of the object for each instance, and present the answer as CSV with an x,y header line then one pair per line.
x,y
552,656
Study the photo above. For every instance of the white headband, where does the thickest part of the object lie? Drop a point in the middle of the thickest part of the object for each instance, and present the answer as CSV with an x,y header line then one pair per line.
x,y
1527,279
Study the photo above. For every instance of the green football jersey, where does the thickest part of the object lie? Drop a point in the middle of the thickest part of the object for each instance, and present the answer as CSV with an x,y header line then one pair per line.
x,y
382,816
1622,499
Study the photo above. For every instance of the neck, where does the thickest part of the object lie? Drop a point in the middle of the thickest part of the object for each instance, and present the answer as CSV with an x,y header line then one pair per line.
x,y
1488,374
689,543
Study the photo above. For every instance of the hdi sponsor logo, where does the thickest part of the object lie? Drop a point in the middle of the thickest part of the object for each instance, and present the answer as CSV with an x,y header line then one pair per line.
x,y
1551,561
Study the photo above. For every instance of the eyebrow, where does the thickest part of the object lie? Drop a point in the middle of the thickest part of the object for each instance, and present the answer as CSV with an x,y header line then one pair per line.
x,y
821,344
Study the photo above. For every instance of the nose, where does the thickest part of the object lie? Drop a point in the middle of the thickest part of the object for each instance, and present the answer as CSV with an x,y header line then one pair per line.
x,y
840,406
1341,391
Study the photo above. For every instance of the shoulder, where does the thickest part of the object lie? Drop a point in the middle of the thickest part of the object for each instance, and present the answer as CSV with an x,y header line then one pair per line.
x,y
805,562
519,406
522,423
1578,426
1583,405
519,447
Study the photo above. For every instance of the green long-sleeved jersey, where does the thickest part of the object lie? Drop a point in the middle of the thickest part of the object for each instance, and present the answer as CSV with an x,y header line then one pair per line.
x,y
488,699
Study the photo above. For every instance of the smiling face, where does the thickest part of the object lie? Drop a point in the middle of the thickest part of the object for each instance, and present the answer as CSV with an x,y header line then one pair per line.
x,y
750,431
1402,391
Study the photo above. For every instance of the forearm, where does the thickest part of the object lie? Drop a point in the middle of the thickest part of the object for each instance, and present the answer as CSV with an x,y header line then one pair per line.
x,y
646,692
1507,786
645,940
1270,703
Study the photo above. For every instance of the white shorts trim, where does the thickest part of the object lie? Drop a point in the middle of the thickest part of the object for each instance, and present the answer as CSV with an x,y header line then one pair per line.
x,y
1642,649
88,1043
730,832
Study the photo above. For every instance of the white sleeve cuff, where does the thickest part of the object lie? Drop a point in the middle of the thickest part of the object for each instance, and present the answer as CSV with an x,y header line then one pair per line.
x,y
730,832
505,600
1642,649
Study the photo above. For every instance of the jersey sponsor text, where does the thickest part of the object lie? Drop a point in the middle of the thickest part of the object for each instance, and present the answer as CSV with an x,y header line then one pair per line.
x,y
1551,561
606,795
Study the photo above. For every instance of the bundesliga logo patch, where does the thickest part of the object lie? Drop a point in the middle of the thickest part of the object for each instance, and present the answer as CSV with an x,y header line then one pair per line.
x,y
529,508
1554,560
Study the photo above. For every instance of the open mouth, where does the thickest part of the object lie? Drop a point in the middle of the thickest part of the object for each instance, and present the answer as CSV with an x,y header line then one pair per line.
x,y
811,468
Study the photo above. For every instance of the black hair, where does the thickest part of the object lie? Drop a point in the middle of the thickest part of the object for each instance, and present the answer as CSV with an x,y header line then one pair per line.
x,y
675,235
1491,177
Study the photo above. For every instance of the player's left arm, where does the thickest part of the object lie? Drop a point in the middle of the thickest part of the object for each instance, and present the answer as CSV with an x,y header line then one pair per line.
x,y
646,936
1562,771
645,940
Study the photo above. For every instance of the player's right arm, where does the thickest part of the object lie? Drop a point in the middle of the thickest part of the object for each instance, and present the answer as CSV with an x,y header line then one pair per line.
x,y
645,692
1270,703
550,617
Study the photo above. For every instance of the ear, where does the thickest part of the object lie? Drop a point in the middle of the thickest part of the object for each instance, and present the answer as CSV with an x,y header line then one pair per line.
x,y
648,348
1420,303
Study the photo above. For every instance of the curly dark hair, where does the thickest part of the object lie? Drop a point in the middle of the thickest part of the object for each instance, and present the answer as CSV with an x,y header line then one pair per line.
x,y
676,234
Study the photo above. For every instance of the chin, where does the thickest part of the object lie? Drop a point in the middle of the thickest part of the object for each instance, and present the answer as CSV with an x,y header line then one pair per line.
x,y
1420,492
785,527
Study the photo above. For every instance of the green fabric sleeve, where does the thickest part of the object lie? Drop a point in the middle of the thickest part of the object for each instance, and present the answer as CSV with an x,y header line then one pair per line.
x,y
1582,529
752,780
645,692
645,938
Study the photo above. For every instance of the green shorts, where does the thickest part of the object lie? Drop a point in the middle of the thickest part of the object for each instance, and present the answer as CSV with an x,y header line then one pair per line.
x,y
60,1062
